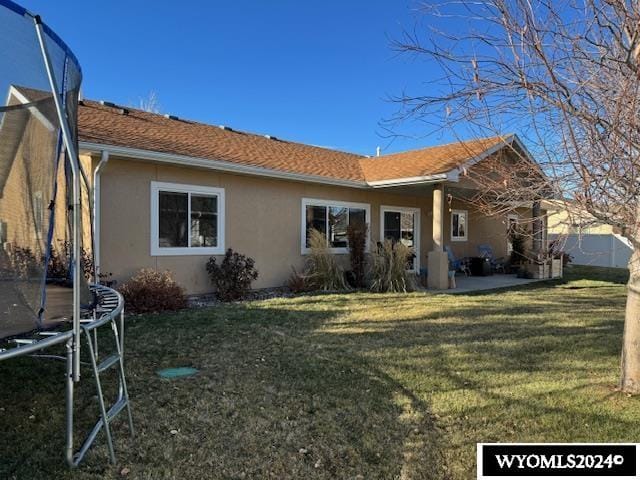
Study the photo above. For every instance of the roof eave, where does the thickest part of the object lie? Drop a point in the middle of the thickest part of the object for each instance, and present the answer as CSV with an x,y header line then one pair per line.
x,y
450,176
219,165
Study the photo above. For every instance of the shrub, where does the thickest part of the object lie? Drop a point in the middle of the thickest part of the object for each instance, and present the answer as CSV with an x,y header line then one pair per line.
x,y
23,263
389,268
297,282
357,235
60,259
322,271
152,291
233,276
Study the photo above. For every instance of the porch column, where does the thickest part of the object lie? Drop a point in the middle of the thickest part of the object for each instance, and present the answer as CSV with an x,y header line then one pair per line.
x,y
537,227
437,260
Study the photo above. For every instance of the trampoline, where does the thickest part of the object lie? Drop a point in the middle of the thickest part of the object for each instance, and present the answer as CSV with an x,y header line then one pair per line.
x,y
47,297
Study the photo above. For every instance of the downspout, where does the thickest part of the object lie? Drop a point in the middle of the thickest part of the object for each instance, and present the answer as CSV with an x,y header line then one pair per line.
x,y
104,158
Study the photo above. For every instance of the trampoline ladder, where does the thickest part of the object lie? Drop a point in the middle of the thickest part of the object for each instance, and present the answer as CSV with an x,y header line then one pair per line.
x,y
114,360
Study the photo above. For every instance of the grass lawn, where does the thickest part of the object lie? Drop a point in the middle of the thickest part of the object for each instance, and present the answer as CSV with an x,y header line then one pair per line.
x,y
343,386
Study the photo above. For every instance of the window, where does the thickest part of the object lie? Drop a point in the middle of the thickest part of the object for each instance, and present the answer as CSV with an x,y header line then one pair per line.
x,y
402,224
186,219
459,225
332,219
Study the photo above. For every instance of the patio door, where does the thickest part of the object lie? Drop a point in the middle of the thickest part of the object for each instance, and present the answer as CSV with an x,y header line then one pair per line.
x,y
402,224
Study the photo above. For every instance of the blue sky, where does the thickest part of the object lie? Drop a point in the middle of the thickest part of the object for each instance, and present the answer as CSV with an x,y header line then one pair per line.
x,y
309,71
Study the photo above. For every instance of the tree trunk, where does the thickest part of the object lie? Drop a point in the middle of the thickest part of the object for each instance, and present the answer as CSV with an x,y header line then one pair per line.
x,y
630,362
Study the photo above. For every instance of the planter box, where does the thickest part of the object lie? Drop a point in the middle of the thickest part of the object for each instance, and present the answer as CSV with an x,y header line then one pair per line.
x,y
556,267
537,271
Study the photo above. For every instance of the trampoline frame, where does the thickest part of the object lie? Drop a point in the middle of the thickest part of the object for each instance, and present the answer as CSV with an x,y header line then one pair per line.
x,y
109,311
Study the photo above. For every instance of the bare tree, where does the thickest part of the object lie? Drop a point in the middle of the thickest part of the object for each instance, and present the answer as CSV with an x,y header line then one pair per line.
x,y
565,75
150,104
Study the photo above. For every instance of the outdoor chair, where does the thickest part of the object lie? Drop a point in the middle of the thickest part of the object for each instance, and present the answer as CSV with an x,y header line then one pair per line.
x,y
456,263
497,264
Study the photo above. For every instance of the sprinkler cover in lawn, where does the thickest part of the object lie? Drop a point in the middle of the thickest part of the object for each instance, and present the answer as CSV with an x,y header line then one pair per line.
x,y
177,372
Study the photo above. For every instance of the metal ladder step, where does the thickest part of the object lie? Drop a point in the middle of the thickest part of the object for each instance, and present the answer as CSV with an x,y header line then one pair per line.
x,y
116,409
108,362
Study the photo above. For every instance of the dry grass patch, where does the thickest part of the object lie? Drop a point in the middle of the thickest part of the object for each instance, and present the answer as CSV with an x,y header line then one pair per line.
x,y
358,385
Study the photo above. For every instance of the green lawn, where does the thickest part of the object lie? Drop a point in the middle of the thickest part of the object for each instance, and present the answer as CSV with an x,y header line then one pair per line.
x,y
344,386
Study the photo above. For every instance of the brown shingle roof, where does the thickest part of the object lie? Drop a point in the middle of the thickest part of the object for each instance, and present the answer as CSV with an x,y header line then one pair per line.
x,y
148,131
107,125
426,161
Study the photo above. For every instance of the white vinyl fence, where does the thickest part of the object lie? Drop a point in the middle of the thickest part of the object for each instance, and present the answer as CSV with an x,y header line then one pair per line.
x,y
600,250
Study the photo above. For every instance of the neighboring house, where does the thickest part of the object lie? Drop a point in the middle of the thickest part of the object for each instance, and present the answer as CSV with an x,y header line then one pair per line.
x,y
170,192
587,240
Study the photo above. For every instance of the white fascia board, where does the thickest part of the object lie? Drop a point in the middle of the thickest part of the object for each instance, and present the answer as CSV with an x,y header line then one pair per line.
x,y
450,176
478,158
218,165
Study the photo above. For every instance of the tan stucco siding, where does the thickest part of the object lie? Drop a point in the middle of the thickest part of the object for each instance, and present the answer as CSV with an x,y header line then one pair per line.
x,y
262,220
481,229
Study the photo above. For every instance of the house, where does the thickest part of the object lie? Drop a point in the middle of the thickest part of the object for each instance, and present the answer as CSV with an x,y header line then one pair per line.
x,y
587,240
168,193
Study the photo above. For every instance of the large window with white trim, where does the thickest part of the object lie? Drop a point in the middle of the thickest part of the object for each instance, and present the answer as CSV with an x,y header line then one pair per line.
x,y
459,225
186,219
332,219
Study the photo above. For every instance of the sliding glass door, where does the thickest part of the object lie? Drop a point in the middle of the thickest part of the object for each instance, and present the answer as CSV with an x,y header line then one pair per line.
x,y
402,224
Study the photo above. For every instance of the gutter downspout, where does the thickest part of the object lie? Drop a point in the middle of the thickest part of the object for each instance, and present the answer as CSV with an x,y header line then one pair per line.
x,y
104,158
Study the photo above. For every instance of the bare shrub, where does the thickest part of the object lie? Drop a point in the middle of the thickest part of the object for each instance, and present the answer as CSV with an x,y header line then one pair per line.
x,y
322,271
297,282
152,291
389,268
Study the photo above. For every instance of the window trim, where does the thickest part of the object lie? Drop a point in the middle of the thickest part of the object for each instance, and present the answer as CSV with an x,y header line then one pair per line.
x,y
466,231
316,202
416,227
156,250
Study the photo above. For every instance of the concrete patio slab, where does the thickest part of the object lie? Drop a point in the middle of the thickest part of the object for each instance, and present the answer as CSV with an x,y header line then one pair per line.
x,y
491,282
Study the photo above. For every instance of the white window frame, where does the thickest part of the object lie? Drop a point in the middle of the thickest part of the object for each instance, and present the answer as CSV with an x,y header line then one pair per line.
x,y
156,250
416,226
466,229
330,203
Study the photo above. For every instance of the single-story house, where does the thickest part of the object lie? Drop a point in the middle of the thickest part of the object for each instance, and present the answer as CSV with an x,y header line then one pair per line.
x,y
168,193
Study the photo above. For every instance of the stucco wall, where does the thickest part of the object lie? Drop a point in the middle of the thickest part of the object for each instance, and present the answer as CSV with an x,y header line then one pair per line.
x,y
262,220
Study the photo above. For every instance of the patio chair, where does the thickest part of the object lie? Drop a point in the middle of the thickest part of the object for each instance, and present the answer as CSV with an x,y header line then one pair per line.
x,y
497,264
456,263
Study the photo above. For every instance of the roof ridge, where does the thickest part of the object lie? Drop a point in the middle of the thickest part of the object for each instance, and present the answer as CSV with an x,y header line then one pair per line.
x,y
230,130
440,145
101,123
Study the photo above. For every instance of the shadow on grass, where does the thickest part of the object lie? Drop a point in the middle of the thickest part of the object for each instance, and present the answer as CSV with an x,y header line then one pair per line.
x,y
336,386
272,399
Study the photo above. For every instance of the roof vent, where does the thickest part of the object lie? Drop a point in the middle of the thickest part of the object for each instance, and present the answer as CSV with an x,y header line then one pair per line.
x,y
171,117
104,103
270,137
123,111
224,127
